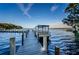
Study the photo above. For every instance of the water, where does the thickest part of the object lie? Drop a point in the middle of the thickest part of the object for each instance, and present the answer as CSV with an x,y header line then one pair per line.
x,y
5,44
63,40
58,38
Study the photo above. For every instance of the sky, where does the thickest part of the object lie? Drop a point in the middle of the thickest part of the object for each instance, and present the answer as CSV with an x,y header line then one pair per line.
x,y
32,14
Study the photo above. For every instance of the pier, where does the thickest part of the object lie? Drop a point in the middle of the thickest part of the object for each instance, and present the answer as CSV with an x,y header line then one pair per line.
x,y
42,34
31,44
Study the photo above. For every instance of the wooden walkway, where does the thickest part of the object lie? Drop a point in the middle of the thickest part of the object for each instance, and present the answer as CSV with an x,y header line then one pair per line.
x,y
14,31
31,46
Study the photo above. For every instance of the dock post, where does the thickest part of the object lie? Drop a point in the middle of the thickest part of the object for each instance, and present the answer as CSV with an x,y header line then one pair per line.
x,y
57,51
45,43
22,39
12,46
26,35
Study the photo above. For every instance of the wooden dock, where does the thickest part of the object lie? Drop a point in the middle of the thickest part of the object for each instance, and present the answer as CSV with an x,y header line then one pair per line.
x,y
30,43
13,31
31,46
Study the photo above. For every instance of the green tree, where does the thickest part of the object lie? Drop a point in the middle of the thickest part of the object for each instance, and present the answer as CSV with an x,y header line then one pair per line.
x,y
9,26
72,18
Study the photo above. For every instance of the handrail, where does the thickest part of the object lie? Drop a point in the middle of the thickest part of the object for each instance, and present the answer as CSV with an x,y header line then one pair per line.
x,y
14,31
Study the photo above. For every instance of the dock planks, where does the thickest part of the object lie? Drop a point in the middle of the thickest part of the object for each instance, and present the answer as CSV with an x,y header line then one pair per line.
x,y
31,46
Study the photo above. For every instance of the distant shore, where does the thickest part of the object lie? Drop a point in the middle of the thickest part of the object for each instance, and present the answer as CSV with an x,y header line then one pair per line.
x,y
9,26
65,29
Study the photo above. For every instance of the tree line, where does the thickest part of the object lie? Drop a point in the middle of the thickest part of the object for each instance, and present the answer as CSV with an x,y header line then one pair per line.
x,y
9,26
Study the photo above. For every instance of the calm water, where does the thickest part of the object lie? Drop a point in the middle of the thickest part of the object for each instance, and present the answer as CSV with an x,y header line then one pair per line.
x,y
5,44
62,39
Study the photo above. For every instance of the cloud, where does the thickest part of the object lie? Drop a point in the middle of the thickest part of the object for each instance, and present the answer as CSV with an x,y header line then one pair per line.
x,y
24,9
54,8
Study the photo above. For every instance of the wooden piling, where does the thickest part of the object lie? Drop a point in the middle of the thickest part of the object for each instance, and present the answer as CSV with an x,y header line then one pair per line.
x,y
26,35
22,39
12,46
57,51
44,39
45,43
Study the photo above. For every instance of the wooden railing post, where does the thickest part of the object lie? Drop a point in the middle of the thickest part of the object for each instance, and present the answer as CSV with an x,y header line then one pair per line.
x,y
12,46
26,35
22,39
57,51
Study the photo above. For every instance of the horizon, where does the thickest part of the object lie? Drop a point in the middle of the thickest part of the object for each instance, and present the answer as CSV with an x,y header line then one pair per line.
x,y
29,15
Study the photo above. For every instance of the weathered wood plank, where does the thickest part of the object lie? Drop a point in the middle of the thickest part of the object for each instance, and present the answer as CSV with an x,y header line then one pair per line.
x,y
31,46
